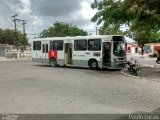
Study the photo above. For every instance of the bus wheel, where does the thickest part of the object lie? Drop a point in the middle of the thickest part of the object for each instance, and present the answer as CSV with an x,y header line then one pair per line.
x,y
94,64
53,62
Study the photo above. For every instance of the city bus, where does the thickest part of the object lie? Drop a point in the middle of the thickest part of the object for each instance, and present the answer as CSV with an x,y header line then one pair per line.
x,y
96,51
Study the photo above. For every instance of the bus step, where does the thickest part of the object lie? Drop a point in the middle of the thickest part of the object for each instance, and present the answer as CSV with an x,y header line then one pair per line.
x,y
68,65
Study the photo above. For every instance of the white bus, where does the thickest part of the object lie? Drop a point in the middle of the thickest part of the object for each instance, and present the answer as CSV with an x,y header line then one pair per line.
x,y
99,51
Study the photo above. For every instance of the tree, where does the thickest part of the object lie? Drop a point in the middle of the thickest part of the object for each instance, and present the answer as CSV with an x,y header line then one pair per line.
x,y
142,16
155,37
110,31
22,40
142,37
7,36
44,33
60,29
2,36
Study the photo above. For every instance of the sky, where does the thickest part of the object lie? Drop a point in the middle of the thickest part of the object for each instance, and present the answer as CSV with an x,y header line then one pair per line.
x,y
40,14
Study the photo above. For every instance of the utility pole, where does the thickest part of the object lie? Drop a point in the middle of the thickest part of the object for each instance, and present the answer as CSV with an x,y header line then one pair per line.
x,y
24,34
15,24
96,30
4,37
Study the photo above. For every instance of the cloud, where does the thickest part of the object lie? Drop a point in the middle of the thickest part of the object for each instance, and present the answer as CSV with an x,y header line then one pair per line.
x,y
74,11
7,9
25,7
40,14
55,8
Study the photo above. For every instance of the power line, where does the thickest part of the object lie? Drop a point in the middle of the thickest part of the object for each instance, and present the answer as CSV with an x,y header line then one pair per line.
x,y
33,33
96,30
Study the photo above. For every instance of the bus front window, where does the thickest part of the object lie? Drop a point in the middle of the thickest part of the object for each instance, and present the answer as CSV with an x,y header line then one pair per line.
x,y
119,48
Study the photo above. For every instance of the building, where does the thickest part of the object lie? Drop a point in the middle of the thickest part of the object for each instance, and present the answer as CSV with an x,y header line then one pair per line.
x,y
132,48
149,48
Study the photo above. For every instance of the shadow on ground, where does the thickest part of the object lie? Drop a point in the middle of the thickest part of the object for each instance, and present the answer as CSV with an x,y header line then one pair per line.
x,y
81,68
147,72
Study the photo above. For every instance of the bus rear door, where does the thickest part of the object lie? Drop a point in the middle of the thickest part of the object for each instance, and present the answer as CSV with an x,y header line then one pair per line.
x,y
45,53
68,54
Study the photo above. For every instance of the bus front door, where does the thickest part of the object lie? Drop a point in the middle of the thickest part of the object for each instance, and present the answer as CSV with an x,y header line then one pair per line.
x,y
44,53
107,54
68,53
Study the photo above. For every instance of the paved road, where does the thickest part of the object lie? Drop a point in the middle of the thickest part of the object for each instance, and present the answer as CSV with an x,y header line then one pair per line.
x,y
27,87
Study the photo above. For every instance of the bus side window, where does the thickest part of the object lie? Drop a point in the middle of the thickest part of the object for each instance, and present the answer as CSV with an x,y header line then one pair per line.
x,y
46,48
43,48
51,45
58,45
94,44
80,45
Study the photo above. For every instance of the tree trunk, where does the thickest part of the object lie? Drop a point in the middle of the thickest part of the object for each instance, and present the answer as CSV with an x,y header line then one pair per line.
x,y
142,50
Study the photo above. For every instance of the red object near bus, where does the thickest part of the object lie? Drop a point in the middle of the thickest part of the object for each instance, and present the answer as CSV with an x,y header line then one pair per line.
x,y
52,54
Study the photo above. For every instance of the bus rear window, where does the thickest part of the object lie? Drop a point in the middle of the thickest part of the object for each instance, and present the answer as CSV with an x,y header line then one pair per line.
x,y
37,45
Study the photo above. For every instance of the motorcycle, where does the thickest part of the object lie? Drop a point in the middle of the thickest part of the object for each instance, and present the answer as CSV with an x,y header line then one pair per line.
x,y
133,66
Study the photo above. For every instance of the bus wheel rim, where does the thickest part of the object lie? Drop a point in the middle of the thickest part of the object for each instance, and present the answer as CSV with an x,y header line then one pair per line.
x,y
94,64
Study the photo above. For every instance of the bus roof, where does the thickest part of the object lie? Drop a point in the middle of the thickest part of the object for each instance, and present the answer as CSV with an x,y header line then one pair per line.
x,y
75,37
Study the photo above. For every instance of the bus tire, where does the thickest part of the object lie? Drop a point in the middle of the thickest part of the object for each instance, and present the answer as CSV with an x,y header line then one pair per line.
x,y
53,62
93,64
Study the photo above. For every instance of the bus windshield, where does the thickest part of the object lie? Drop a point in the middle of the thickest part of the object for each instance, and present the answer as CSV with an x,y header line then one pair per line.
x,y
119,48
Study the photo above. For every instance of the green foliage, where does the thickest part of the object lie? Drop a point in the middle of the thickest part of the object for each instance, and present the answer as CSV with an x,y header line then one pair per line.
x,y
134,13
7,36
142,16
110,30
60,29
154,38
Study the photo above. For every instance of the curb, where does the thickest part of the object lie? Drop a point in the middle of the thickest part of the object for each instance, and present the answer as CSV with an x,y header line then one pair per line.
x,y
137,77
11,59
7,60
122,72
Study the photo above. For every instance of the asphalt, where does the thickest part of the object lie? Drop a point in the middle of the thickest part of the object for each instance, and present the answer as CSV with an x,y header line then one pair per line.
x,y
28,87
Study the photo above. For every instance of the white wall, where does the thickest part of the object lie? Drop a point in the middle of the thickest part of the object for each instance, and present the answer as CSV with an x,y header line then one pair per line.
x,y
132,50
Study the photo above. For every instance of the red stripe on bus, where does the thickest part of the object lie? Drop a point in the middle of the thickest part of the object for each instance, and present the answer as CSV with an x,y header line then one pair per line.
x,y
52,54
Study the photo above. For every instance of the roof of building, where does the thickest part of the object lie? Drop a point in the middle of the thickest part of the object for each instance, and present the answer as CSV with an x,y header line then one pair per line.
x,y
132,44
155,44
